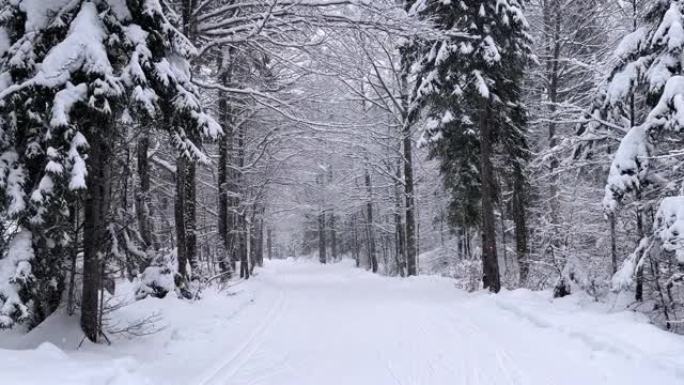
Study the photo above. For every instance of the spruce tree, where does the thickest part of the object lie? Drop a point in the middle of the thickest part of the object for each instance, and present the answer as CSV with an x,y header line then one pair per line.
x,y
73,74
468,85
649,62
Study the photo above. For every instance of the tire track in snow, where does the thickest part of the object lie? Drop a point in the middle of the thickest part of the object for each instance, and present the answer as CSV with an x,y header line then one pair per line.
x,y
226,370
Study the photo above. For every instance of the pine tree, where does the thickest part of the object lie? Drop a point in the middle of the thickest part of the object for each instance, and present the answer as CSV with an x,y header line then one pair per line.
x,y
468,84
461,175
73,74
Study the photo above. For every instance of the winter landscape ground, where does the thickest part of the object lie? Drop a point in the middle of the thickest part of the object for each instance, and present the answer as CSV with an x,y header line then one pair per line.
x,y
301,323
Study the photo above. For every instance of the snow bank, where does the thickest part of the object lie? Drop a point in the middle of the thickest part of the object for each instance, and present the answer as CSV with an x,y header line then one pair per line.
x,y
47,364
605,327
149,339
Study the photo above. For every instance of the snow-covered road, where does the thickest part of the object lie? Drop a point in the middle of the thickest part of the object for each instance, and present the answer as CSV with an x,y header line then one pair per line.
x,y
300,323
327,325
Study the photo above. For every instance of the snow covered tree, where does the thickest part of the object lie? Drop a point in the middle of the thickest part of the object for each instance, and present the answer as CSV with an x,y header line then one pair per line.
x,y
458,152
469,85
74,73
650,63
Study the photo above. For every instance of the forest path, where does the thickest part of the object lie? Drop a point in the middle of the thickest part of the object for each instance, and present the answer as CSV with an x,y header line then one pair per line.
x,y
334,324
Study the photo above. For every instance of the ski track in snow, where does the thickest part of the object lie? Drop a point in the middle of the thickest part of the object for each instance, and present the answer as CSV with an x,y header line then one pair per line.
x,y
343,326
227,369
300,323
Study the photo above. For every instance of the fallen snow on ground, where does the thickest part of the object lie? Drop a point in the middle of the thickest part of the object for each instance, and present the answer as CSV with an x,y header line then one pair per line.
x,y
301,323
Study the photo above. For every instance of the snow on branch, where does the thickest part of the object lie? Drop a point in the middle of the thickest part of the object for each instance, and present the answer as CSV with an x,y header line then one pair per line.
x,y
15,273
669,225
629,168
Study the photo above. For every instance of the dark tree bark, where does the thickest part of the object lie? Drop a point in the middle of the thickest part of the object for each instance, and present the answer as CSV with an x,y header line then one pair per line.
x,y
94,232
400,236
639,290
242,225
76,230
322,244
224,263
519,206
260,239
410,235
143,204
269,242
552,25
253,248
225,217
490,263
179,215
372,257
333,237
191,216
411,247
355,230
244,247
233,202
179,206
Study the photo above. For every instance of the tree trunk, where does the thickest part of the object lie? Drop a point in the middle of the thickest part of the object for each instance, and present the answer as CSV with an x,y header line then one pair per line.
x,y
243,246
639,291
552,28
333,238
143,205
321,238
269,242
232,201
222,192
520,221
411,245
399,226
241,207
76,229
613,244
179,215
355,230
191,217
411,250
490,263
252,252
260,240
94,232
372,257
225,143
245,255
185,175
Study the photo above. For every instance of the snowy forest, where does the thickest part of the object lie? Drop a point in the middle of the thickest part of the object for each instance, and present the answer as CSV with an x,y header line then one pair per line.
x,y
164,158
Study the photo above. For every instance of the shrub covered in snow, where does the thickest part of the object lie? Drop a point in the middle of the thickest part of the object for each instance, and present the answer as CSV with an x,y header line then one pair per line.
x,y
15,279
157,279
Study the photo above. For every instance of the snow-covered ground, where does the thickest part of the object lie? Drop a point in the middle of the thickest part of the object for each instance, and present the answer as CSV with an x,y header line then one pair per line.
x,y
301,323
